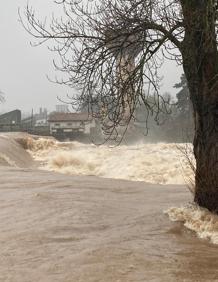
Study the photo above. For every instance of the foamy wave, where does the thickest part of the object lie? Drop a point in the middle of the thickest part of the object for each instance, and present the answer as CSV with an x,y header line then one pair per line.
x,y
66,163
197,219
12,153
154,163
5,160
35,145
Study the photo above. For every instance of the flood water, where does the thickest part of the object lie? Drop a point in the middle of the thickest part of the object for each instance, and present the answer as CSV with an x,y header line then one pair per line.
x,y
60,227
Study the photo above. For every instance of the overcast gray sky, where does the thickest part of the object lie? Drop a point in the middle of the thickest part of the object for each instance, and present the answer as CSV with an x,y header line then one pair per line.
x,y
23,69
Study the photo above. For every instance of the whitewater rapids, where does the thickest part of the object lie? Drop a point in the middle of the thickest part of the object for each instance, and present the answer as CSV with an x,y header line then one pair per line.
x,y
156,163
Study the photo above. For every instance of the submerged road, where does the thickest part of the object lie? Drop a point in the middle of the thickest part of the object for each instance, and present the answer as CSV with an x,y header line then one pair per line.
x,y
62,228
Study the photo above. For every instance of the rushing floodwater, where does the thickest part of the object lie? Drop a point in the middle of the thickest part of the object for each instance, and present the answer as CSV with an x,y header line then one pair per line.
x,y
63,227
154,163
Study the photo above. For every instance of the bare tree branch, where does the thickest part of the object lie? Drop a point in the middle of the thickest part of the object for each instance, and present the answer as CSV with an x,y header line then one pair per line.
x,y
94,39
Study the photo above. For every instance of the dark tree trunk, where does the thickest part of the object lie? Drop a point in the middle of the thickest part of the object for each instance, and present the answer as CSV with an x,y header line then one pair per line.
x,y
206,154
200,62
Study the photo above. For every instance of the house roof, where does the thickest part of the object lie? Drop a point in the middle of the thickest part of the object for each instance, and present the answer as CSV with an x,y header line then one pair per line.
x,y
58,117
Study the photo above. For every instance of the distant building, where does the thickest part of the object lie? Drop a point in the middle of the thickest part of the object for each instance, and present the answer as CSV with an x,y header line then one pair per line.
x,y
36,123
37,119
28,122
62,108
41,117
70,124
10,121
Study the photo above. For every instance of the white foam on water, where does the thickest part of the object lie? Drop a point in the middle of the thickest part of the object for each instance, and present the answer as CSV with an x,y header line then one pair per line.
x,y
200,220
5,160
154,163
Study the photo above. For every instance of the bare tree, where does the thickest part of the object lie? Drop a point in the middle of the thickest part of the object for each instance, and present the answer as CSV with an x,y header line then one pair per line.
x,y
112,50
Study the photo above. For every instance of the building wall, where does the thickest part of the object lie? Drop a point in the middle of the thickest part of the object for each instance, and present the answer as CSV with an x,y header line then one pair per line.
x,y
11,118
66,126
88,126
71,126
10,121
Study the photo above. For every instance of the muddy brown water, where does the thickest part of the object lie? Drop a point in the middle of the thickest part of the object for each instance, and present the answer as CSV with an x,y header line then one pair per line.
x,y
81,229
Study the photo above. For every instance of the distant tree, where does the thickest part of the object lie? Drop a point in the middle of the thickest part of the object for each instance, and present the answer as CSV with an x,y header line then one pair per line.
x,y
112,49
183,119
183,96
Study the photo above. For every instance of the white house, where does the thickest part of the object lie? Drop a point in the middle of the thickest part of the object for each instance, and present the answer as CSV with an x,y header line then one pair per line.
x,y
68,124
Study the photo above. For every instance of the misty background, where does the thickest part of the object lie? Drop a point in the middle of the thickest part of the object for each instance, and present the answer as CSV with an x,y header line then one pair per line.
x,y
24,69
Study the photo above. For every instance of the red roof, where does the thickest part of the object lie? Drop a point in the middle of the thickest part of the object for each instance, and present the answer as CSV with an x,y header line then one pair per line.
x,y
56,117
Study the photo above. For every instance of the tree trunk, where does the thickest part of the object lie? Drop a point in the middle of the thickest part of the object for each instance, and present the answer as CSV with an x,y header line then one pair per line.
x,y
206,154
200,63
